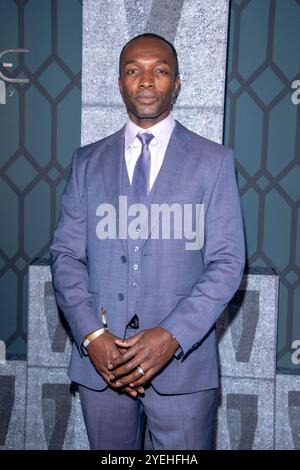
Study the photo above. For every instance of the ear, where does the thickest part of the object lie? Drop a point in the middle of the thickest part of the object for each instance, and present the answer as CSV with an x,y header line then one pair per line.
x,y
177,86
120,86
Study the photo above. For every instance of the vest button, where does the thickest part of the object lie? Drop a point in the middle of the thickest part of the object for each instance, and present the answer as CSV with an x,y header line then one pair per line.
x,y
121,296
123,259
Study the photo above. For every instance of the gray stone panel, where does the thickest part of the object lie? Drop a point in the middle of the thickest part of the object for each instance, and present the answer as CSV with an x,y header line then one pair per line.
x,y
200,39
53,413
199,33
201,44
247,328
105,32
246,414
48,341
287,422
206,121
80,441
12,405
101,122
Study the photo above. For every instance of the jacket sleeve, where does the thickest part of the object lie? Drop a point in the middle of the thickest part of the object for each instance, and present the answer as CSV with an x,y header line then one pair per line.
x,y
224,257
69,266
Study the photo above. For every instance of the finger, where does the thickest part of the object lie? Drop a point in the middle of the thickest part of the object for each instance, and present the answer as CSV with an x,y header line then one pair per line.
x,y
126,389
140,388
119,361
110,366
116,353
136,384
135,375
127,368
129,342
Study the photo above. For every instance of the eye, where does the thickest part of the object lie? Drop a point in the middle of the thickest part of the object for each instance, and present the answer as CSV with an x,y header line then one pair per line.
x,y
131,71
162,70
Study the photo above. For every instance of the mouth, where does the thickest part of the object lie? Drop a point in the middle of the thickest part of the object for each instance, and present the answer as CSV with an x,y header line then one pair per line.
x,y
146,98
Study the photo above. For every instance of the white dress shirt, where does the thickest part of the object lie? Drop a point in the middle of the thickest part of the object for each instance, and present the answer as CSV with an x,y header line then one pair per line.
x,y
162,132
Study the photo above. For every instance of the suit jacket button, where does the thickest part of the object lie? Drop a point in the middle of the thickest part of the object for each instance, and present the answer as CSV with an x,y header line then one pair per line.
x,y
123,259
121,296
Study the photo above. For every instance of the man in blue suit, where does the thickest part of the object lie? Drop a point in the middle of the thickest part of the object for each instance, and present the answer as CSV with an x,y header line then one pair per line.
x,y
162,294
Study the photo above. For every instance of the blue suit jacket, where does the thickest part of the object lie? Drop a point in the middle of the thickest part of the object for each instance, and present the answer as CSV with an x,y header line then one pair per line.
x,y
182,290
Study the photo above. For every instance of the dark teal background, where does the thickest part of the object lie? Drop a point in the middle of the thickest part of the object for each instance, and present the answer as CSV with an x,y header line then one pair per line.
x,y
263,126
39,129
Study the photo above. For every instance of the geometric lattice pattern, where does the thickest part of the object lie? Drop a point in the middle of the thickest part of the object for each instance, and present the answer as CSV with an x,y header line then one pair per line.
x,y
40,127
262,125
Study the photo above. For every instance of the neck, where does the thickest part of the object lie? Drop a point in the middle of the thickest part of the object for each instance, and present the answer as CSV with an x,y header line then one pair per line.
x,y
145,123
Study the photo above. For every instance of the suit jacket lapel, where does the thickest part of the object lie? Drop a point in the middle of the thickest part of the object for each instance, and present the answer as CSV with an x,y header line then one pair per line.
x,y
111,170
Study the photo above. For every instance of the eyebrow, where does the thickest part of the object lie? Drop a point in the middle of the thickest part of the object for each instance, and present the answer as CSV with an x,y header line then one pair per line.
x,y
159,61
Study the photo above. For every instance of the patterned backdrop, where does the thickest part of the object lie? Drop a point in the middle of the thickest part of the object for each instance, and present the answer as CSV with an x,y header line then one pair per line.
x,y
262,124
40,127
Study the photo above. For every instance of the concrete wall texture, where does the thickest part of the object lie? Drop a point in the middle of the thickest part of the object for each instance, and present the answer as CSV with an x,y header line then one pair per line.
x,y
198,30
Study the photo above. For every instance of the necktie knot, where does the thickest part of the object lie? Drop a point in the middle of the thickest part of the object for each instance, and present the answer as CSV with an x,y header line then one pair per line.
x,y
145,137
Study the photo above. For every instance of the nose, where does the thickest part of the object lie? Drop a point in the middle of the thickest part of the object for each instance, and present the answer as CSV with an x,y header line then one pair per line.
x,y
146,80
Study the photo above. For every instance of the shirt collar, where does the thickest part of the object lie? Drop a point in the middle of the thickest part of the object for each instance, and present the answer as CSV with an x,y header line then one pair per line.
x,y
162,130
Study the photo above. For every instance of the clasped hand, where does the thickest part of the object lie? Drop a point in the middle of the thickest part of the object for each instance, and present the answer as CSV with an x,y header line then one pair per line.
x,y
117,360
149,349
